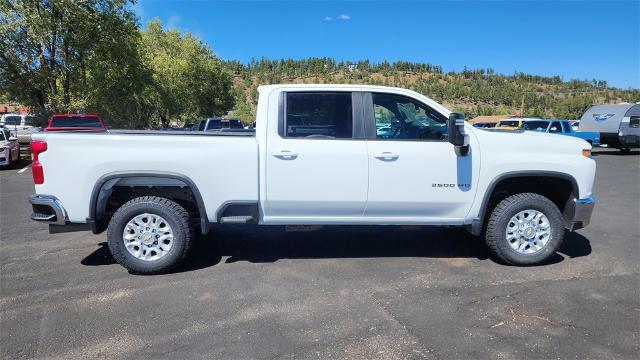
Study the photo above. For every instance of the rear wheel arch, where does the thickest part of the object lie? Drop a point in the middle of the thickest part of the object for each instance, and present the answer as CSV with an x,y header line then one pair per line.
x,y
105,185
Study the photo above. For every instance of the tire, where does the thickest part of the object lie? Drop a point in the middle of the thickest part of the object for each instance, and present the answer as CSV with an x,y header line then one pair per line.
x,y
175,219
519,206
625,150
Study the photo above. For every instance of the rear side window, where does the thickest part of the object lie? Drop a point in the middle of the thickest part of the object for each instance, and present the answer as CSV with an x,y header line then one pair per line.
x,y
319,114
76,121
565,127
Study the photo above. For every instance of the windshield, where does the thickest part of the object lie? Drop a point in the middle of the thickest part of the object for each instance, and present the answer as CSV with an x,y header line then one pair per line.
x,y
514,123
12,120
535,126
76,121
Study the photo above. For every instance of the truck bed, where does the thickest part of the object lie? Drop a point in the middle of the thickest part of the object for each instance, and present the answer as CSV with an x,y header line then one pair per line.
x,y
75,162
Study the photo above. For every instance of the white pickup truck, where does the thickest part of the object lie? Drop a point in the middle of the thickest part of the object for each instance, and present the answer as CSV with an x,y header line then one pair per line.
x,y
320,154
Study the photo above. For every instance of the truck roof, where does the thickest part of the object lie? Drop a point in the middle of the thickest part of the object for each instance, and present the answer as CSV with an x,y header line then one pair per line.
x,y
354,87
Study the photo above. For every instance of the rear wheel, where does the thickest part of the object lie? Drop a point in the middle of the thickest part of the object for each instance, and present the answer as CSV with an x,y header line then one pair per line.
x,y
524,229
150,235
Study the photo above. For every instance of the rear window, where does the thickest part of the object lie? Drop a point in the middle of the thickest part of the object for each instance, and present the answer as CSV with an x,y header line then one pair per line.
x,y
634,122
319,114
214,124
12,120
76,122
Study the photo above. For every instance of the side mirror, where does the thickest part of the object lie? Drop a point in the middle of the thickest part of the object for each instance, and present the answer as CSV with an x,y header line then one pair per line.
x,y
13,138
457,135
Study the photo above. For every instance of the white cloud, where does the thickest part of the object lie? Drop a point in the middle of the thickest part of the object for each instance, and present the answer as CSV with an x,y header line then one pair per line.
x,y
327,18
343,17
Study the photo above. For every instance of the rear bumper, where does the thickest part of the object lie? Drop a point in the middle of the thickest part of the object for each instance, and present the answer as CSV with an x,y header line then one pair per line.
x,y
577,213
47,209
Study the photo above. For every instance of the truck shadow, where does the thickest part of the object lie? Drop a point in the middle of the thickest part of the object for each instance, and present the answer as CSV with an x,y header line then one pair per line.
x,y
266,244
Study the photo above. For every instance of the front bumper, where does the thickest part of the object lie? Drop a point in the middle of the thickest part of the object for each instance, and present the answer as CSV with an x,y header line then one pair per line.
x,y
47,209
577,212
4,157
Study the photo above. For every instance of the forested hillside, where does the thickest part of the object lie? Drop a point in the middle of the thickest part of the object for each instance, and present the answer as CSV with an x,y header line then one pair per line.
x,y
474,92
63,56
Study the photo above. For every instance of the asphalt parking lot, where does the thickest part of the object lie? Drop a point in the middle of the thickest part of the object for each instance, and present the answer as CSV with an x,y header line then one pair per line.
x,y
339,292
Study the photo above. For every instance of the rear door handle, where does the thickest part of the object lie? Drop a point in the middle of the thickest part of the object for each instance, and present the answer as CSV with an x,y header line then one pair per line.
x,y
285,154
386,156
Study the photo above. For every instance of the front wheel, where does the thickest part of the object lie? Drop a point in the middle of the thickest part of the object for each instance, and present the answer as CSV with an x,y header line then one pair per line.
x,y
149,235
524,229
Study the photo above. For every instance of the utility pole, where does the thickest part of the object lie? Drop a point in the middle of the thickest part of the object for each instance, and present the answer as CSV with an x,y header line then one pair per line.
x,y
522,107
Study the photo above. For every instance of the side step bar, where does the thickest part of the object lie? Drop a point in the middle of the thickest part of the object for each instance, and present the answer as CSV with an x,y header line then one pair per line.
x,y
236,219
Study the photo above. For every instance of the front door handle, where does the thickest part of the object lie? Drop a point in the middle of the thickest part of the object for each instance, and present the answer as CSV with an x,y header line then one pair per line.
x,y
387,156
285,154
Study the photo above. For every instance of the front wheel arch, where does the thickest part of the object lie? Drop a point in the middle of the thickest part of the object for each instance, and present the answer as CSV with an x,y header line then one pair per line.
x,y
516,182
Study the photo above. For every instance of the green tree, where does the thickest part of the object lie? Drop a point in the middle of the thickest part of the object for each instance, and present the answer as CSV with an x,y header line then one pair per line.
x,y
188,80
67,55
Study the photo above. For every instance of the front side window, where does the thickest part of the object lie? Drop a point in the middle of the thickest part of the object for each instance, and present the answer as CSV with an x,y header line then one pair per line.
x,y
403,118
319,115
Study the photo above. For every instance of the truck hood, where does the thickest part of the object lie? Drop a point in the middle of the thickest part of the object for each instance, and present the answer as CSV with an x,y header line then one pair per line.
x,y
519,140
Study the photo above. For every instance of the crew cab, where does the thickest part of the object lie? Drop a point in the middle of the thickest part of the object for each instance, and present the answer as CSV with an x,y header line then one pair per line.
x,y
561,127
315,158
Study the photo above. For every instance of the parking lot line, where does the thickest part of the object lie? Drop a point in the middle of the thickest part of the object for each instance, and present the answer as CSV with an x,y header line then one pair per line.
x,y
23,169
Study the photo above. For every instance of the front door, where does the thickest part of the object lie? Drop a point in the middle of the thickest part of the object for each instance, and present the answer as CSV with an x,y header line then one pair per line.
x,y
415,175
316,168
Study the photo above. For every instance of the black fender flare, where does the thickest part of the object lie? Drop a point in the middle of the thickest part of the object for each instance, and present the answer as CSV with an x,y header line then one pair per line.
x,y
478,222
103,188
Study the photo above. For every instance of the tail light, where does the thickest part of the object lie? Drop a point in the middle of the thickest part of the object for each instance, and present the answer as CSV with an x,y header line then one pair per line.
x,y
37,147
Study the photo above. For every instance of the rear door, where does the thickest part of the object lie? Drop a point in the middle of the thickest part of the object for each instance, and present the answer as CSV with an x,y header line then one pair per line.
x,y
316,167
415,174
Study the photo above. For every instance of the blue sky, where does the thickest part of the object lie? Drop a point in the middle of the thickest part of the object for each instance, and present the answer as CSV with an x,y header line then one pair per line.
x,y
573,39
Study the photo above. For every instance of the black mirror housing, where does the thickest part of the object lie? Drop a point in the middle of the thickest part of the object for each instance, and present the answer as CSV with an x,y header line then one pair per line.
x,y
455,129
